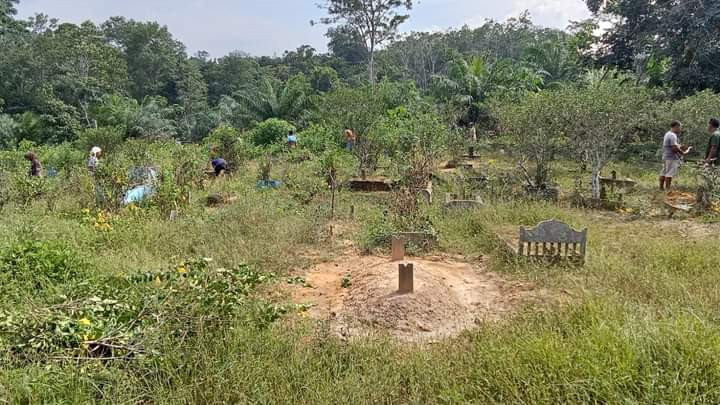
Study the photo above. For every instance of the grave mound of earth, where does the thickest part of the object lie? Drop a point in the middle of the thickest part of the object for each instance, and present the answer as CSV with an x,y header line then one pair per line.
x,y
358,297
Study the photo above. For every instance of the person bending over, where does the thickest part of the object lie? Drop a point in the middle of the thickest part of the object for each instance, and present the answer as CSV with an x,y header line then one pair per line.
x,y
219,165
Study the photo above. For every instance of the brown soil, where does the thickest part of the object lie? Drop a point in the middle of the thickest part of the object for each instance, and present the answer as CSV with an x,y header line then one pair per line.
x,y
449,297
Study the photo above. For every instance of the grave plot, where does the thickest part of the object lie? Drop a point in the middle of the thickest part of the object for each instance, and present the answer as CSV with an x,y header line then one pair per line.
x,y
454,202
371,184
414,299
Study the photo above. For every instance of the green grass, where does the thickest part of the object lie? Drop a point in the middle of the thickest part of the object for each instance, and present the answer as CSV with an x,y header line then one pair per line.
x,y
638,323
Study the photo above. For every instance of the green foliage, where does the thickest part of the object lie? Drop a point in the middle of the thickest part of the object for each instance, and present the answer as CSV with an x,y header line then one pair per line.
x,y
152,118
92,326
669,38
270,132
8,131
272,99
377,231
227,143
324,79
363,109
319,138
106,138
694,112
538,130
470,84
37,265
376,22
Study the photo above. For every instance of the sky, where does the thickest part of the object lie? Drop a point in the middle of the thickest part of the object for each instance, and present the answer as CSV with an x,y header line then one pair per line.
x,y
269,27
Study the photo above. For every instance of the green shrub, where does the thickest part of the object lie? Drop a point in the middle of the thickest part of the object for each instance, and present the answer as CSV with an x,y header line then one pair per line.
x,y
319,138
694,112
39,263
107,138
376,232
226,142
8,131
270,131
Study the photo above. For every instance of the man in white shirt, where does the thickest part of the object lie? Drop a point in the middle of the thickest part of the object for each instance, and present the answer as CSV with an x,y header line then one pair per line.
x,y
673,152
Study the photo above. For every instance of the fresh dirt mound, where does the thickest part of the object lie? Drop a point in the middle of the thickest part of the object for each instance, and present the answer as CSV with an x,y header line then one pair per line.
x,y
449,297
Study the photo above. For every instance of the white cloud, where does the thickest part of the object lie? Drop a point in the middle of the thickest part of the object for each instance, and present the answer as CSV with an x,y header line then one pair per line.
x,y
547,13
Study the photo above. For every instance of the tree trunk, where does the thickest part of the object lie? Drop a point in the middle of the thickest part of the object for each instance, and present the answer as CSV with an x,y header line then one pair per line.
x,y
596,181
371,68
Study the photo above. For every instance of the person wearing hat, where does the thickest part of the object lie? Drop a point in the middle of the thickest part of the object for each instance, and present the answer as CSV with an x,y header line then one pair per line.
x,y
95,154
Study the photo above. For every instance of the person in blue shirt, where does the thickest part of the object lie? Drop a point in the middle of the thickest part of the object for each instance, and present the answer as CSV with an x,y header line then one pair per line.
x,y
292,139
219,165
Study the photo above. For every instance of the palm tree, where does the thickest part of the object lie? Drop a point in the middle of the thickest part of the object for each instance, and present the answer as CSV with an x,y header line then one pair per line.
x,y
554,59
468,84
273,99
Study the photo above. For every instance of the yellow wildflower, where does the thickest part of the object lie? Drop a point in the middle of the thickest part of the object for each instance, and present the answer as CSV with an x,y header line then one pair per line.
x,y
181,270
157,281
85,322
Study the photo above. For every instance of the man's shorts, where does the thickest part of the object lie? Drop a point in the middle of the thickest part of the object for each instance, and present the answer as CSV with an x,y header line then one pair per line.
x,y
671,168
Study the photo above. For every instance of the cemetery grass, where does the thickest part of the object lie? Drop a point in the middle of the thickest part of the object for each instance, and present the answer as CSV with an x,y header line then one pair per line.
x,y
638,323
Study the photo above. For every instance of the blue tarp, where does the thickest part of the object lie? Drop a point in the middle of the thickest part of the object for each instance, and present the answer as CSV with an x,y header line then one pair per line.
x,y
269,184
139,194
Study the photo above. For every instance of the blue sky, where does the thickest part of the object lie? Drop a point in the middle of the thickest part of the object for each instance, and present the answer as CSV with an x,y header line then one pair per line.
x,y
268,27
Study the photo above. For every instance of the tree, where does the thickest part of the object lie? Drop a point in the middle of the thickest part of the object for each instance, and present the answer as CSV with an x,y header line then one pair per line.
x,y
469,84
81,66
687,32
229,74
418,56
8,131
272,99
363,109
537,129
192,98
152,118
323,79
346,44
555,59
7,16
153,56
602,117
375,21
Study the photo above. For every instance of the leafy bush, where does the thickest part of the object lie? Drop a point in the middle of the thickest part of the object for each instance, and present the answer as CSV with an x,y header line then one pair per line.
x,y
270,131
8,131
376,231
694,112
107,138
64,157
537,129
226,142
319,138
116,316
39,263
